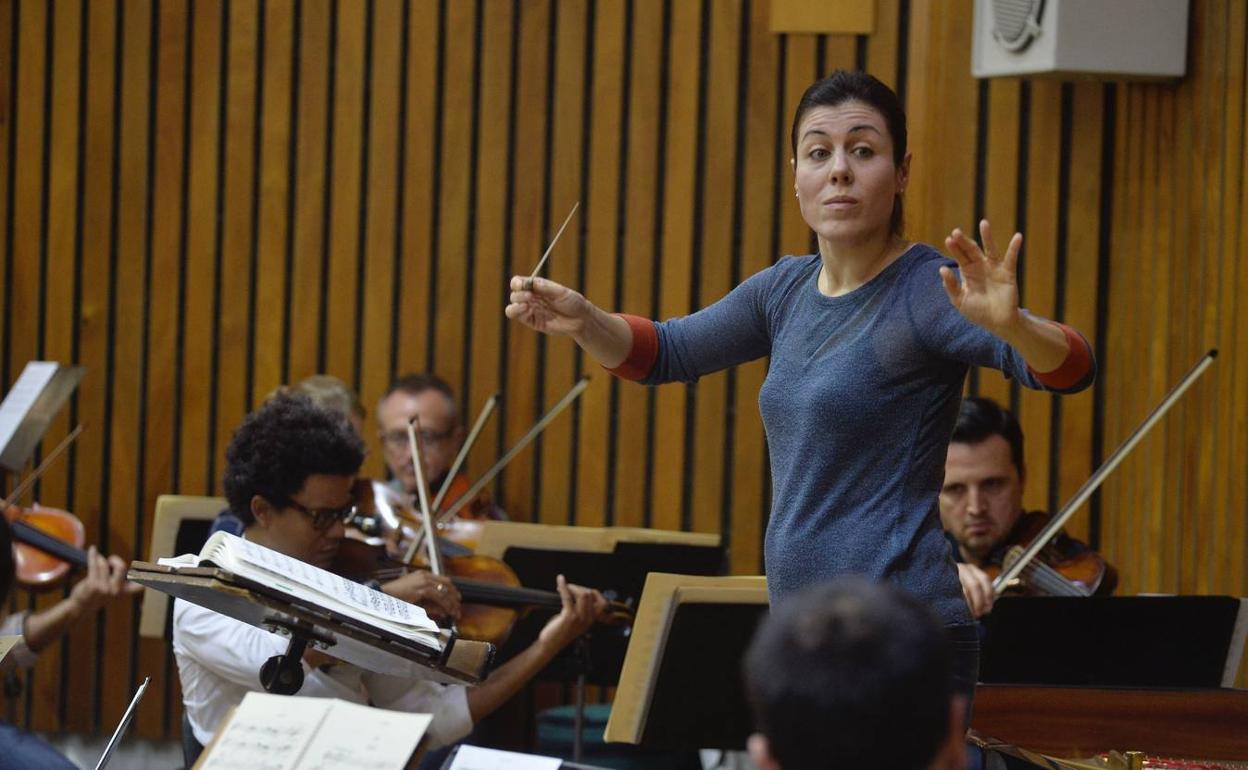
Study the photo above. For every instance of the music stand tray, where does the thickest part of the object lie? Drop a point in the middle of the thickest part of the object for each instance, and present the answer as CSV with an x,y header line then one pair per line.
x,y
1115,641
369,647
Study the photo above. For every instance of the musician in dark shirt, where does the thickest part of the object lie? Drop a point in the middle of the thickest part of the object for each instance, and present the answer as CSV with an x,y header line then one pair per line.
x,y
981,501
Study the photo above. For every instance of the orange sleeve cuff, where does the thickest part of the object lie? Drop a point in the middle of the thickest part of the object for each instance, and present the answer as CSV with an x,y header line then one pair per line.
x,y
644,352
1075,369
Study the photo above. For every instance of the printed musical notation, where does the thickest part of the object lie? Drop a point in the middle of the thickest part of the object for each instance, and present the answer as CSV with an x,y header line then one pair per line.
x,y
276,732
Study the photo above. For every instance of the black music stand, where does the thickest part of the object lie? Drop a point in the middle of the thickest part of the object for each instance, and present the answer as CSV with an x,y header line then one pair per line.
x,y
689,638
622,572
1114,641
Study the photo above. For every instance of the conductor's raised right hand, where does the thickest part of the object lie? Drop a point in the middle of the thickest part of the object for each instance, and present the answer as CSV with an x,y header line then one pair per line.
x,y
548,307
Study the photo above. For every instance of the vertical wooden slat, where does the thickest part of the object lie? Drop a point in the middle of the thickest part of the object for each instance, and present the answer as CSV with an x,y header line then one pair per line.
x,y
761,178
1114,489
28,179
234,251
459,71
420,167
380,233
940,101
163,315
882,43
567,136
1039,267
8,107
90,492
639,216
1001,179
1222,501
1155,210
801,67
57,320
1200,436
198,316
606,137
125,495
717,227
489,289
527,239
1234,346
311,177
345,193
274,195
674,276
1082,286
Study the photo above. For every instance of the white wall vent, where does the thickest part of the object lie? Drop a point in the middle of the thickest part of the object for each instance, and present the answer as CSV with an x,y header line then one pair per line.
x,y
1074,38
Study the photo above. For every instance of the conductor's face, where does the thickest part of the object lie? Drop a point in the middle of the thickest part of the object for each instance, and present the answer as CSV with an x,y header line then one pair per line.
x,y
844,174
308,526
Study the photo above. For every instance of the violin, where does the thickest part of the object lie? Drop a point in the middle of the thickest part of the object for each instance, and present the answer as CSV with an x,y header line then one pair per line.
x,y
378,538
47,544
1063,567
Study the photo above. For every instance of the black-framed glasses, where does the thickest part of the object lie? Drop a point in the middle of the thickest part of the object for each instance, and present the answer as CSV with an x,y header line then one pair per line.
x,y
324,518
397,439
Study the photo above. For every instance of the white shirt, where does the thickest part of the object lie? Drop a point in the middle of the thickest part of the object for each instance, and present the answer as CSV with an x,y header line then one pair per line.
x,y
219,660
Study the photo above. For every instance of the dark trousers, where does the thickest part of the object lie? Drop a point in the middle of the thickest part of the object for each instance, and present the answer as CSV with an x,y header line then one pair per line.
x,y
191,748
20,750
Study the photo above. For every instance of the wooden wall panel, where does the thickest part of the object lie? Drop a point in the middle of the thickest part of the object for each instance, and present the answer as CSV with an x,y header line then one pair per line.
x,y
566,132
600,250
201,200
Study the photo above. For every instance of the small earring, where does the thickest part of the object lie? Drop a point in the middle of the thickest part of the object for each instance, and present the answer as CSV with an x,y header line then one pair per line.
x,y
796,194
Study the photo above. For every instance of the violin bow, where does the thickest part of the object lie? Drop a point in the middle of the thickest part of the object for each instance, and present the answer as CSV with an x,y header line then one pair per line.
x,y
524,441
486,411
1096,479
422,492
30,480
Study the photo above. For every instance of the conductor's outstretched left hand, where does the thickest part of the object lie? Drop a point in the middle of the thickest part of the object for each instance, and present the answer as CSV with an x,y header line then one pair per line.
x,y
987,293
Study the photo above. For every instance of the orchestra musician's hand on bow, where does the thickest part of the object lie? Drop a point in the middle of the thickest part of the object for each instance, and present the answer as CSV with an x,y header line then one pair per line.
x,y
436,594
977,587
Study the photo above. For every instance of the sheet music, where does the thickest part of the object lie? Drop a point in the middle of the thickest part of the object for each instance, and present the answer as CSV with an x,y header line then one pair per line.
x,y
267,732
333,585
356,737
7,643
299,578
477,758
280,732
21,397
